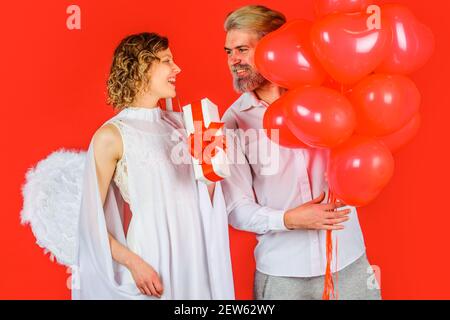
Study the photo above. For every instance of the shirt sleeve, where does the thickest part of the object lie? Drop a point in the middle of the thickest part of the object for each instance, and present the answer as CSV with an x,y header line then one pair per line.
x,y
244,213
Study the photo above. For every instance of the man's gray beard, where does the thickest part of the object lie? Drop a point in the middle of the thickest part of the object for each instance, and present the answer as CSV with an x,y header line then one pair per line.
x,y
249,83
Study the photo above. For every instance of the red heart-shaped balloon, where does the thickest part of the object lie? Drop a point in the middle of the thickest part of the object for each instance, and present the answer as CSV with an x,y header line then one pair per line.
x,y
274,119
347,46
324,7
359,169
398,139
318,116
285,56
412,42
384,103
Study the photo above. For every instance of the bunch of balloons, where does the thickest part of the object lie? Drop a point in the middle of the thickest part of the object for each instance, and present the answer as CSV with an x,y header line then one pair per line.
x,y
348,88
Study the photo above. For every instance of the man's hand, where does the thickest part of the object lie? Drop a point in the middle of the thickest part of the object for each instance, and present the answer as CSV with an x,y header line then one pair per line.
x,y
316,216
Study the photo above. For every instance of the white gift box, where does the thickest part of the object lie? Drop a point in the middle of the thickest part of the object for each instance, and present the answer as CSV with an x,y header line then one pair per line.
x,y
207,112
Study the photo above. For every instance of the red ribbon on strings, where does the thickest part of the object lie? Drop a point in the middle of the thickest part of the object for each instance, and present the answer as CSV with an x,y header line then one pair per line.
x,y
329,286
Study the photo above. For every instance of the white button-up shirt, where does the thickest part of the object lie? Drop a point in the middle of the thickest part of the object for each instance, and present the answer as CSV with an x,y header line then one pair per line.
x,y
271,180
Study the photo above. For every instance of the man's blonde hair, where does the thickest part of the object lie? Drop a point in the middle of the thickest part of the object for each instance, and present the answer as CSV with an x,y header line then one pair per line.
x,y
259,19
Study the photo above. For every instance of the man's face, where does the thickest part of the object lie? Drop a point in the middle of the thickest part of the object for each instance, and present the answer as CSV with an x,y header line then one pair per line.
x,y
240,48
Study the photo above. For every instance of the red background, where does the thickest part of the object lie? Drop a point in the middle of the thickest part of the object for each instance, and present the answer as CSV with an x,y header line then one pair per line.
x,y
53,95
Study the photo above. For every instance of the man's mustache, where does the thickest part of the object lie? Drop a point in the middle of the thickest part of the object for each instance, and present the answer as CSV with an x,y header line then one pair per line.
x,y
237,67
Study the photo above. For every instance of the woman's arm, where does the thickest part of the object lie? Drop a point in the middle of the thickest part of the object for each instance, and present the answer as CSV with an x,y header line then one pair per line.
x,y
108,149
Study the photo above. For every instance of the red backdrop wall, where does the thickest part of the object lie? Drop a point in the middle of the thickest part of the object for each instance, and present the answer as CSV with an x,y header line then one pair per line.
x,y
53,95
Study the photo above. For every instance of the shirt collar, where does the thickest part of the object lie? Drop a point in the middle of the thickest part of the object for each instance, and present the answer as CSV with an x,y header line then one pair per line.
x,y
249,100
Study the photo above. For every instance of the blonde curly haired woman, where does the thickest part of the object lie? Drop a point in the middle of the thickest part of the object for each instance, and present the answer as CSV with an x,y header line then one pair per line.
x,y
176,245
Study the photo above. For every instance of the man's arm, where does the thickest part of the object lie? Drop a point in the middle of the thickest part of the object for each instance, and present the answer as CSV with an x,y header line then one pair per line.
x,y
244,213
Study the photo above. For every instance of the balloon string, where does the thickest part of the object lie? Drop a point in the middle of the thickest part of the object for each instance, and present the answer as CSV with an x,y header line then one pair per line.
x,y
328,290
335,290
336,249
336,268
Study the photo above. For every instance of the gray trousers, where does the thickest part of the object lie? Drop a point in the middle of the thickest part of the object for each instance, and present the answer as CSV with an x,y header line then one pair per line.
x,y
355,282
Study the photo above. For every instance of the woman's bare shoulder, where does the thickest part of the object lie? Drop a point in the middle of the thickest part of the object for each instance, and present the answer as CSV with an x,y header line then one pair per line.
x,y
108,141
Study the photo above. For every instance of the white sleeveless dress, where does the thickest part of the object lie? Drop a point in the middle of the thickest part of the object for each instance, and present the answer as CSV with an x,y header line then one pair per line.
x,y
174,226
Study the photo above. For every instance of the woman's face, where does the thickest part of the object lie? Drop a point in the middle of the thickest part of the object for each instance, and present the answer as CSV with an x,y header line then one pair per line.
x,y
163,76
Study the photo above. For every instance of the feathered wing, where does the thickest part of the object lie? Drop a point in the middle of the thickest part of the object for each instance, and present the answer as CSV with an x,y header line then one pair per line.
x,y
62,204
51,203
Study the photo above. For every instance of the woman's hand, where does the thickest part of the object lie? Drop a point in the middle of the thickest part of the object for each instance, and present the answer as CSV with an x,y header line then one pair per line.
x,y
146,278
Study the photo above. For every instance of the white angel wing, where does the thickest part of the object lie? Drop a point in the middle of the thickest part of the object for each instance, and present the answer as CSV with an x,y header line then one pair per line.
x,y
51,203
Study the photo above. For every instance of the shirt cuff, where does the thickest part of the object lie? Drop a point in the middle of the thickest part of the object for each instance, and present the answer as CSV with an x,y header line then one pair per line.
x,y
276,221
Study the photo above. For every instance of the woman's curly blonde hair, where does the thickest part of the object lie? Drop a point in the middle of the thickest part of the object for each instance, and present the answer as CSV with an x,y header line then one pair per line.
x,y
131,63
